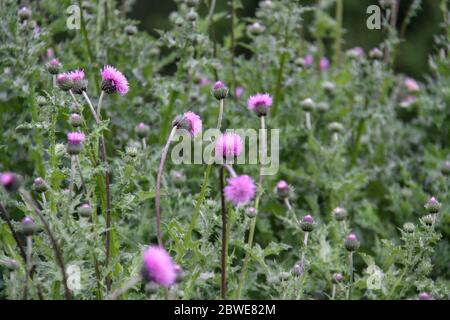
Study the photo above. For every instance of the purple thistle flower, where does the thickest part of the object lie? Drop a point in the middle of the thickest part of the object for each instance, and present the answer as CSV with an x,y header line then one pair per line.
x,y
218,85
260,103
324,64
308,60
238,92
75,137
411,85
10,181
50,53
240,190
194,121
229,145
114,81
76,75
159,267
424,296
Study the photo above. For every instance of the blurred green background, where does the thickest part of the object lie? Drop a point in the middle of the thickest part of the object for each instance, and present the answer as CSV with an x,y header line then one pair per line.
x,y
412,58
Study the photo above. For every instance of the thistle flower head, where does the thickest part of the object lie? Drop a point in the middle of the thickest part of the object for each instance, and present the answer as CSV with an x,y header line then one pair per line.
x,y
355,53
219,90
251,212
282,189
159,267
229,145
190,122
339,213
39,185
79,82
10,181
64,81
260,103
308,60
424,296
114,81
351,242
240,190
28,226
238,91
85,210
24,13
75,142
376,53
324,64
432,205
142,130
76,75
411,85
307,224
308,104
338,277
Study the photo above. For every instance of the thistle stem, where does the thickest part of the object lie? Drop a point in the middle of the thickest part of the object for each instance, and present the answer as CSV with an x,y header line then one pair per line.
x,y
223,284
158,186
288,203
308,121
5,216
57,251
230,169
219,120
350,272
262,154
28,263
72,174
83,184
144,144
100,101
333,292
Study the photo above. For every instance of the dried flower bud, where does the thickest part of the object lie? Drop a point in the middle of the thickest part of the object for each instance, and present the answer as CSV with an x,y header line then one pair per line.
x,y
131,151
75,120
339,213
432,205
307,224
85,210
409,227
39,185
351,242
429,219
28,226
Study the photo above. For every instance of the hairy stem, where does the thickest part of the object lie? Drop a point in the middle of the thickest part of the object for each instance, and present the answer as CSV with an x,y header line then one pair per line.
x,y
223,284
350,272
57,251
158,186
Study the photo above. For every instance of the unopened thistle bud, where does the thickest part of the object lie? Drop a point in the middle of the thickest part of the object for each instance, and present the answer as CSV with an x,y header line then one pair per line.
x,y
335,127
64,82
328,86
376,54
178,177
429,219
445,168
307,224
424,296
53,66
39,185
282,189
432,206
192,15
131,151
24,13
251,212
85,210
142,130
409,227
308,105
338,277
131,30
75,120
41,101
10,181
351,242
219,90
255,28
339,213
28,226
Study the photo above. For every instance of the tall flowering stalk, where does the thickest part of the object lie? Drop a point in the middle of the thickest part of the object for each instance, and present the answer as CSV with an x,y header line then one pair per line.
x,y
220,92
260,104
193,124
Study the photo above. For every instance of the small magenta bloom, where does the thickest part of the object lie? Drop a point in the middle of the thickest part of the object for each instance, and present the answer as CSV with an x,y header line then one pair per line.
x,y
260,103
10,181
411,85
238,92
240,190
356,52
50,53
218,85
75,142
114,81
159,267
76,75
282,189
309,59
53,66
324,64
229,145
219,90
424,296
194,122
338,277
307,224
